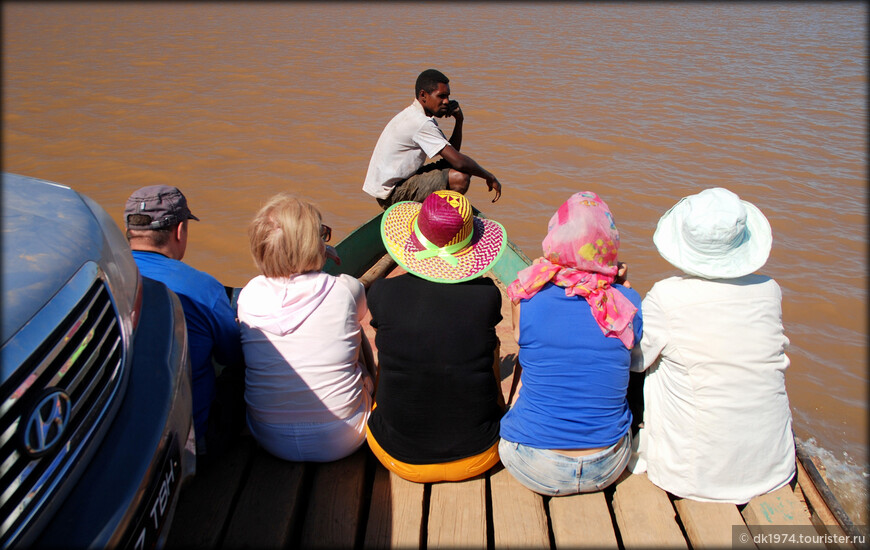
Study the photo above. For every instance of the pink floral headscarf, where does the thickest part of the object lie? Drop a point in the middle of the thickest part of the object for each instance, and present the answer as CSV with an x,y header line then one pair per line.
x,y
580,255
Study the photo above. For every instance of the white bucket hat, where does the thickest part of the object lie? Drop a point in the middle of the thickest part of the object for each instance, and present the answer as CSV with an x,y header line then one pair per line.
x,y
714,235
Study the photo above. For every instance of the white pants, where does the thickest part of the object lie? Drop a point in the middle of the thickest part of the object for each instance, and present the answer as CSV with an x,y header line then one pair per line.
x,y
315,441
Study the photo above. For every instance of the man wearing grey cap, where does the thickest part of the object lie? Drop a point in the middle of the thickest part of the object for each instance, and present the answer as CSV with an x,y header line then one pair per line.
x,y
157,224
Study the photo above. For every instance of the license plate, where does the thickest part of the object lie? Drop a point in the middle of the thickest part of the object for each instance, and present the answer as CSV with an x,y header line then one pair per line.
x,y
152,516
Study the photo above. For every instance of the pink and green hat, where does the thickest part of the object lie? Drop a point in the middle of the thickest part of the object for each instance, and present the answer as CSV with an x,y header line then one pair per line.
x,y
440,239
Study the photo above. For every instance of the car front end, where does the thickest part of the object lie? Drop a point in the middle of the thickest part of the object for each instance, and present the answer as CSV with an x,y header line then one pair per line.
x,y
95,426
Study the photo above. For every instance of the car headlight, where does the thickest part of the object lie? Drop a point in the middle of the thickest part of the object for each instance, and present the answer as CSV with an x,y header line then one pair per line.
x,y
121,272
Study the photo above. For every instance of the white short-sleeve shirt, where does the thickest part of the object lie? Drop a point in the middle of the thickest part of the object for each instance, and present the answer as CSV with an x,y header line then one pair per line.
x,y
406,142
717,423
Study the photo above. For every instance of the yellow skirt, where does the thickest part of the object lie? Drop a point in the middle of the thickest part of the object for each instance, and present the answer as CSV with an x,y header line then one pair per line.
x,y
455,470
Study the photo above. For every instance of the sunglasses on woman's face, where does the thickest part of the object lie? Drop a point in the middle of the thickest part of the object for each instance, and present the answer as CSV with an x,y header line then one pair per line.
x,y
325,232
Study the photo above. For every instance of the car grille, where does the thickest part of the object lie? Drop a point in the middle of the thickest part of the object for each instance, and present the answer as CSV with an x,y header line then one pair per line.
x,y
82,358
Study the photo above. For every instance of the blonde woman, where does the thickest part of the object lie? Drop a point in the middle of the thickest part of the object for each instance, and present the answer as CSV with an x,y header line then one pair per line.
x,y
307,392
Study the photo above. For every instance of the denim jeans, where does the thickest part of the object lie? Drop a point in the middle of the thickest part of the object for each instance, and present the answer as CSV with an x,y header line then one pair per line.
x,y
550,473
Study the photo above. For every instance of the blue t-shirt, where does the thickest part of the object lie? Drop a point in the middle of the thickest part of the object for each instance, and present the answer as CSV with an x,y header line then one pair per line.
x,y
211,324
574,379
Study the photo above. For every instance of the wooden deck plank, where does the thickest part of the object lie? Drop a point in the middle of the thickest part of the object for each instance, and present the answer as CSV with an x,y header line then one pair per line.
x,y
582,521
518,516
508,348
457,514
774,514
204,505
713,524
780,507
269,505
644,515
396,512
335,504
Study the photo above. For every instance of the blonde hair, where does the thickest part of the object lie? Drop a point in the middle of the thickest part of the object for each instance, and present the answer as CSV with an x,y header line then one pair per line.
x,y
285,237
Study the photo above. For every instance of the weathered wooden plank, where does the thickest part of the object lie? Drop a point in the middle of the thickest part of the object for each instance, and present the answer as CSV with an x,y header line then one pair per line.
x,y
780,507
713,524
518,516
822,517
644,515
806,492
335,505
508,348
204,504
395,513
457,514
778,513
582,521
269,505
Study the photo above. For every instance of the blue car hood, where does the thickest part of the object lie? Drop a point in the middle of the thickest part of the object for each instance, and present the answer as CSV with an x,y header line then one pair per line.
x,y
48,234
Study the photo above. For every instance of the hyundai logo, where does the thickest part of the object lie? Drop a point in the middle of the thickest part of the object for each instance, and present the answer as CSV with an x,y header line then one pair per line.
x,y
45,423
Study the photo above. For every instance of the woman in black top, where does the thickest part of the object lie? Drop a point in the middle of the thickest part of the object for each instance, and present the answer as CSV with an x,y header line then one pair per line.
x,y
438,401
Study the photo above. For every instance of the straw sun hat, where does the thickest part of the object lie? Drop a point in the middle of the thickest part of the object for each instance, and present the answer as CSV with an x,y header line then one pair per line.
x,y
714,235
440,239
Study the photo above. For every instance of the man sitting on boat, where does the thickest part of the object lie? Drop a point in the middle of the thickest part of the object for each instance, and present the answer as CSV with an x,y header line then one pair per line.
x,y
157,229
397,171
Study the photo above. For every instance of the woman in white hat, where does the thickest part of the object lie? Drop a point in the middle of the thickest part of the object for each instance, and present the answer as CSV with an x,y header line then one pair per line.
x,y
438,401
717,423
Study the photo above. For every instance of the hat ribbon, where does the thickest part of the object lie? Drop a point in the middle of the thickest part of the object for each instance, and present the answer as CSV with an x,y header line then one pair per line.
x,y
445,252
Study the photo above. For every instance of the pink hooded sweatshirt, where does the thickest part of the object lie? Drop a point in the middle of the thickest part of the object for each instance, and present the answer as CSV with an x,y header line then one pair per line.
x,y
301,340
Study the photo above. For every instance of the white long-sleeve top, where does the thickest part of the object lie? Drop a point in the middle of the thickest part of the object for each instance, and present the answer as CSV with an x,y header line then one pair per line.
x,y
717,423
301,340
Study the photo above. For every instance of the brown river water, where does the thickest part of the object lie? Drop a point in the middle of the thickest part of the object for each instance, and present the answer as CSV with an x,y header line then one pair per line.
x,y
641,103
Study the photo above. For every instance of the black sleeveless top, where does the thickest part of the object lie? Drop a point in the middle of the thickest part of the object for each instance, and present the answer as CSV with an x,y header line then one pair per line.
x,y
436,396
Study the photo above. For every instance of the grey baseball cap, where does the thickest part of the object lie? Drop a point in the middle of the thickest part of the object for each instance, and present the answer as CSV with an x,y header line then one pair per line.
x,y
164,204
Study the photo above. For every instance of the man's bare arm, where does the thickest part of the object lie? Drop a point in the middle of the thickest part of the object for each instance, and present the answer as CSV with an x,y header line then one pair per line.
x,y
467,165
454,110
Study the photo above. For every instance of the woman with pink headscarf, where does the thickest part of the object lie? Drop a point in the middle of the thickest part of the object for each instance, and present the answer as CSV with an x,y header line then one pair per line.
x,y
569,429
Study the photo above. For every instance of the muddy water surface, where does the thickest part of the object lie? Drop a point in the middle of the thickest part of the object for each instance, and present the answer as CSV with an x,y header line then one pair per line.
x,y
642,103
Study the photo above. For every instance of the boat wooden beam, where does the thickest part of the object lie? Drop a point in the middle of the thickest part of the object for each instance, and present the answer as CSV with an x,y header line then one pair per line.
x,y
378,271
